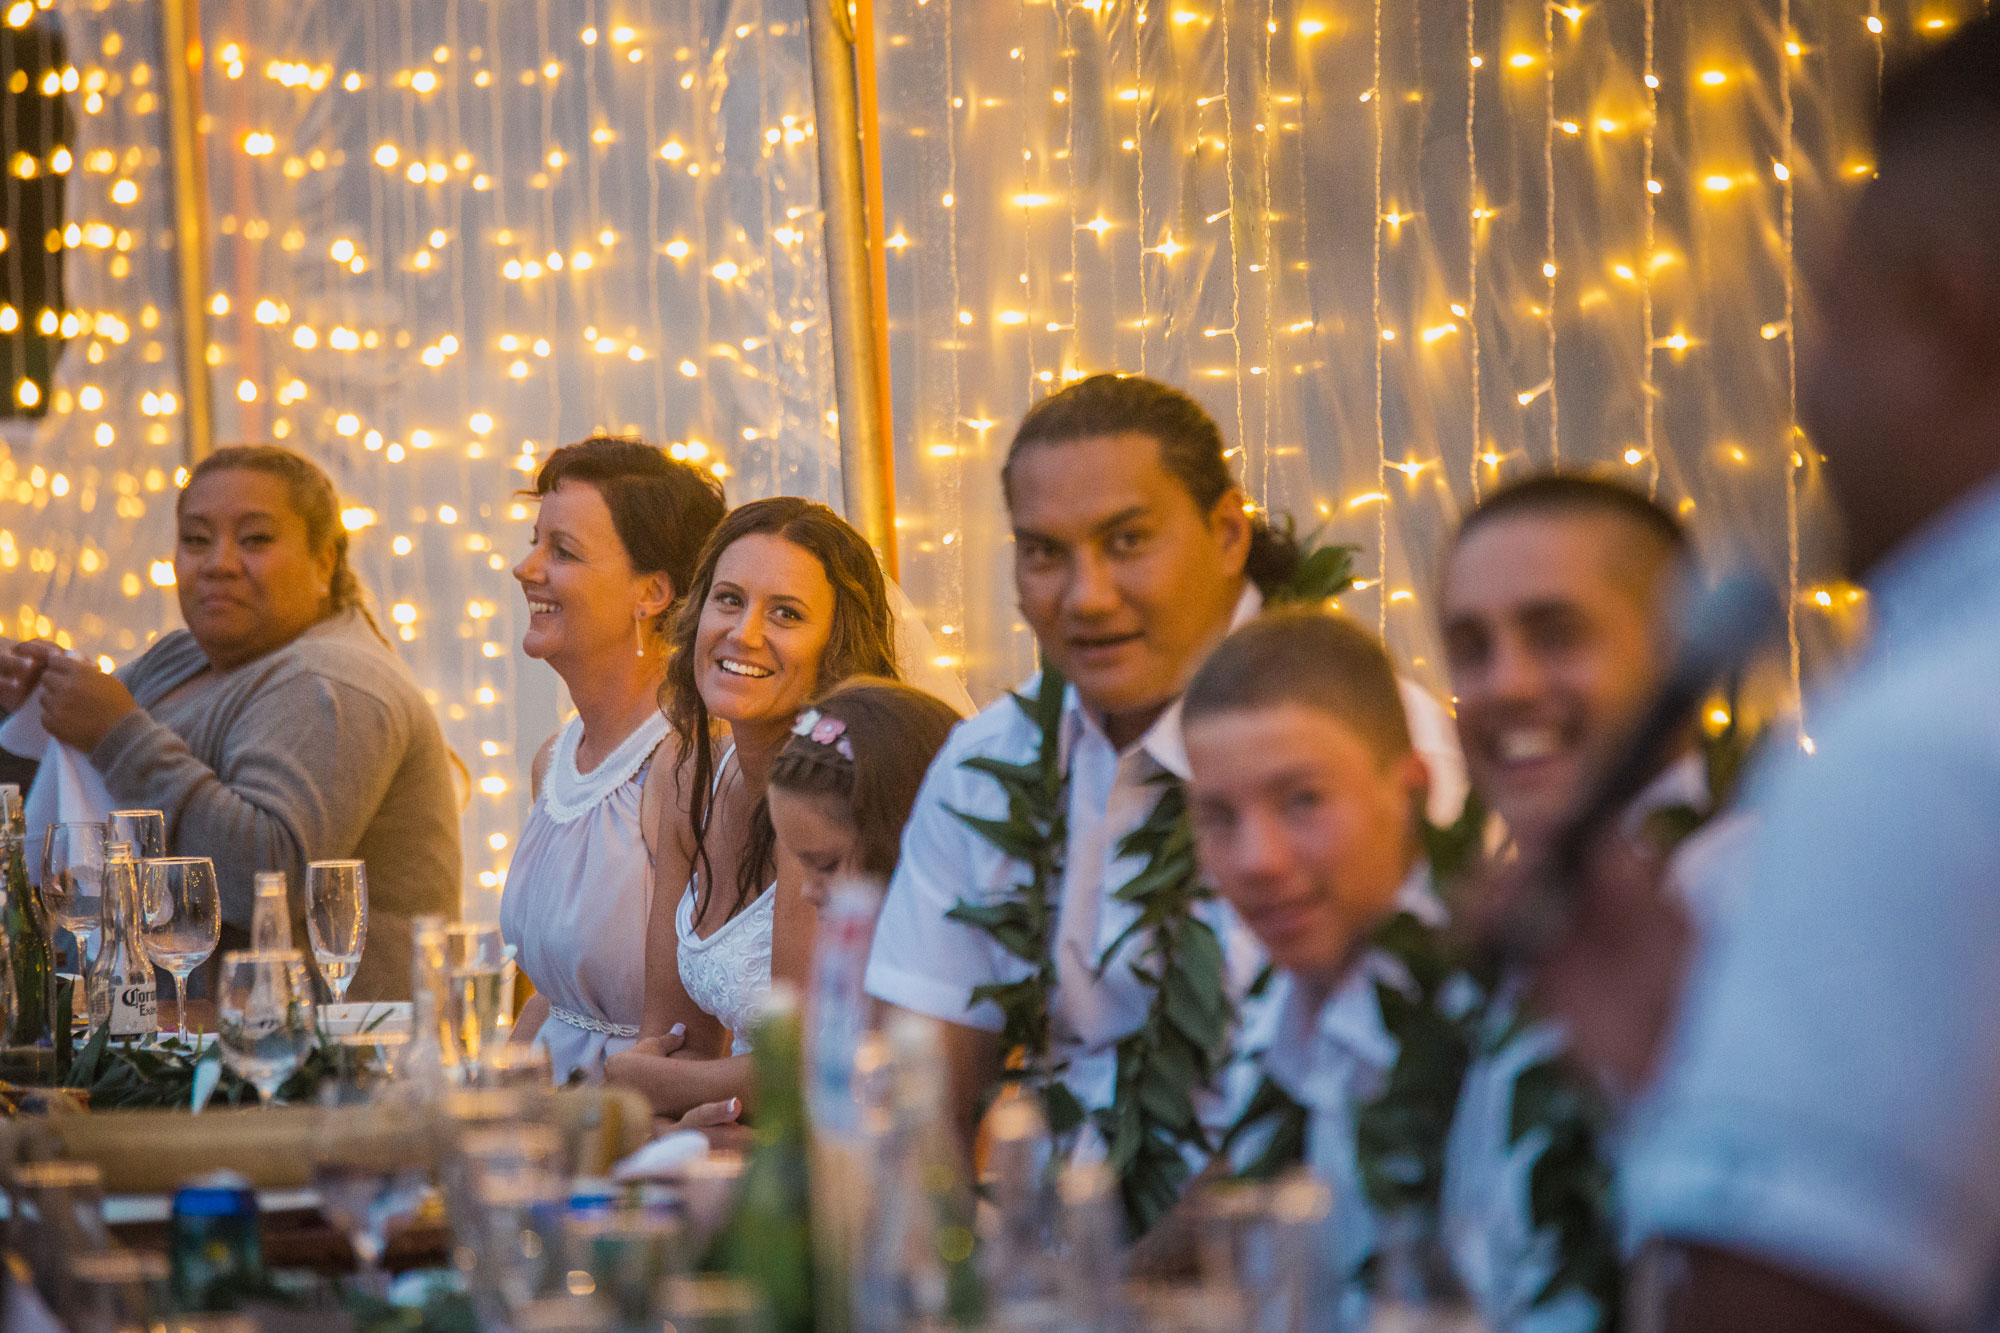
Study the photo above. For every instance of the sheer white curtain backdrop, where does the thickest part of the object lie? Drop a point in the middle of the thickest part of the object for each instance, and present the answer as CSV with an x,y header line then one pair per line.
x,y
1402,249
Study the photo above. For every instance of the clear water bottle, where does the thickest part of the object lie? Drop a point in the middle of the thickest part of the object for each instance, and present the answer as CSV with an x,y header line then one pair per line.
x,y
271,912
430,994
836,1029
915,1261
1093,1259
1018,1261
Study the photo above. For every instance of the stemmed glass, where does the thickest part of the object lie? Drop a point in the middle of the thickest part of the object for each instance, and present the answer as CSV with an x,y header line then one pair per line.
x,y
146,830
265,1015
369,1171
181,919
337,919
72,892
476,967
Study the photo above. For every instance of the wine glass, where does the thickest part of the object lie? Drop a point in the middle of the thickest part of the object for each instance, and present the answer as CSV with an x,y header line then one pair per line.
x,y
181,919
264,1015
146,830
337,919
72,893
370,1170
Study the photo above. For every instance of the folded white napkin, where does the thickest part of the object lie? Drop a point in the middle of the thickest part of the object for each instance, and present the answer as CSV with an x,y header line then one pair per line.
x,y
664,1158
67,789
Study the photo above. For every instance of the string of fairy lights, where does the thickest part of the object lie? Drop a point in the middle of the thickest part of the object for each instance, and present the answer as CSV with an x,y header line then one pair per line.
x,y
447,239
450,237
1606,282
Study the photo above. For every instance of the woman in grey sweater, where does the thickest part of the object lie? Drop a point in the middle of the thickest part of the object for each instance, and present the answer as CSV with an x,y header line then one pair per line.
x,y
279,727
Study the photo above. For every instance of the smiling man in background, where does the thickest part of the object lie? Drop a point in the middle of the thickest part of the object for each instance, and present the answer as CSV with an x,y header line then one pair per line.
x,y
1558,607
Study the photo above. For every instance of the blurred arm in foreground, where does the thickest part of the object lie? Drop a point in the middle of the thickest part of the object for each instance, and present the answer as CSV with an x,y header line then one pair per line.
x,y
1816,1140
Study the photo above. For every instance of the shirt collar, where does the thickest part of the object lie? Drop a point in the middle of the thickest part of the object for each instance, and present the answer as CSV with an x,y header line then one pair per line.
x,y
1162,741
1683,782
1350,1018
1929,578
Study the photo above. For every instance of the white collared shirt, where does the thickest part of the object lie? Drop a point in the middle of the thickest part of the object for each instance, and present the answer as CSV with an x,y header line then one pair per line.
x,y
1830,1103
925,962
1504,1260
1331,1053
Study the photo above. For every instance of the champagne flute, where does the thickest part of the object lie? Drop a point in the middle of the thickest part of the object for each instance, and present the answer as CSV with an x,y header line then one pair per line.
x,y
146,830
72,893
181,919
337,919
476,967
265,1015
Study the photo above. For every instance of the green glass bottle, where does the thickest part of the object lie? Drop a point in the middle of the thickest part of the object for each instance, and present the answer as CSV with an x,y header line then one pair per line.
x,y
27,941
768,1243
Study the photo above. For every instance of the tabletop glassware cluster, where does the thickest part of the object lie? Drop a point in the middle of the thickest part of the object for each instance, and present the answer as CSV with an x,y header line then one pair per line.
x,y
103,882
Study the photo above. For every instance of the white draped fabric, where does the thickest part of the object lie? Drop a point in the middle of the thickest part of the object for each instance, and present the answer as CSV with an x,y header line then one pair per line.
x,y
451,236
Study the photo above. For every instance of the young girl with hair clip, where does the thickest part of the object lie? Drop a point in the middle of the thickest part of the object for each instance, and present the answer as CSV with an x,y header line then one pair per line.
x,y
840,792
842,788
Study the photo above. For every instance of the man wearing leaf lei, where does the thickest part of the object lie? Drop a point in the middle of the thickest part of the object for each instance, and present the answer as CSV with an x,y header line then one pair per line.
x,y
1046,906
1557,608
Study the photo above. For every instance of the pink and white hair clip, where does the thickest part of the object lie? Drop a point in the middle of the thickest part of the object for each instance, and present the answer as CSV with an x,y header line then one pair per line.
x,y
822,729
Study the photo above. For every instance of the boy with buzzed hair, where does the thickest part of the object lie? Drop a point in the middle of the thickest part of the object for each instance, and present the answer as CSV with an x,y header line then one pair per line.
x,y
1305,798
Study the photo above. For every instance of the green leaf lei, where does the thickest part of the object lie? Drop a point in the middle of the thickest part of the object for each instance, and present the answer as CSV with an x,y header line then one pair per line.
x,y
1035,833
1184,1041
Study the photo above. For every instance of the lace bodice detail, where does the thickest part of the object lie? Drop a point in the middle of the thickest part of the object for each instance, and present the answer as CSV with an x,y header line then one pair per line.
x,y
729,973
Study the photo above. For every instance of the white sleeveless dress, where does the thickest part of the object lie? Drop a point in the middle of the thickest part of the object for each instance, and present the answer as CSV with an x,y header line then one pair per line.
x,y
577,898
729,973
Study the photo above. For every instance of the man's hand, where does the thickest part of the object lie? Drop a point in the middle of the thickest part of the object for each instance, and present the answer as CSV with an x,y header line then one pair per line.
x,y
80,704
1613,974
21,669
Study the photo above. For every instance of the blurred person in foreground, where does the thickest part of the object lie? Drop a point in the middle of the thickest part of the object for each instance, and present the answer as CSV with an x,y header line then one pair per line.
x,y
1558,610
1305,799
1819,1148
279,727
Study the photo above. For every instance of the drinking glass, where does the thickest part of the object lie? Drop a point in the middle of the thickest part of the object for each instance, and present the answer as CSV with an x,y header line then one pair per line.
x,y
146,830
476,966
117,1291
337,919
264,1015
180,920
515,1064
72,892
370,1170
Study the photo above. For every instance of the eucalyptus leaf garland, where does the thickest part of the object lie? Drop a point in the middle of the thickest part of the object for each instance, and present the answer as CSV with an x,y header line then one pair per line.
x,y
159,1076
